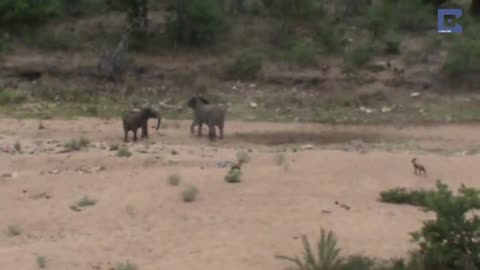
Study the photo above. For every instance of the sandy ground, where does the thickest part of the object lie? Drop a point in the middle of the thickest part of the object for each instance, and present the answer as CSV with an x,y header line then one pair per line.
x,y
141,218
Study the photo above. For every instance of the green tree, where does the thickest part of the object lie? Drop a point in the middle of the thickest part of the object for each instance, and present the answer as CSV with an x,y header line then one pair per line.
x,y
137,11
27,12
195,21
452,240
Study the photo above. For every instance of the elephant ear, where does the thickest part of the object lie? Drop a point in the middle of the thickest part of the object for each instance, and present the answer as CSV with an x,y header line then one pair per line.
x,y
192,103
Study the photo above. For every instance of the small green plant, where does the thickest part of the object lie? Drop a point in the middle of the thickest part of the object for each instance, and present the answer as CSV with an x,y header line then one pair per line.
x,y
41,262
85,202
303,53
243,157
76,144
18,147
174,179
392,43
130,211
10,97
14,230
123,152
246,65
403,196
280,159
233,176
326,257
189,194
127,266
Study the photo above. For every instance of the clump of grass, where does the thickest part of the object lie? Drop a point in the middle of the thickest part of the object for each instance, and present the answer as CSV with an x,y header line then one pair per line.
x,y
123,152
127,266
174,180
10,97
18,147
280,159
403,196
76,144
41,262
14,230
243,157
233,176
130,211
190,194
85,202
463,59
392,43
326,257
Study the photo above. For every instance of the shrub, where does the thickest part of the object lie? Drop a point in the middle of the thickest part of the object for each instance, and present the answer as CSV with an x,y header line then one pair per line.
x,y
10,97
358,56
76,144
41,262
403,196
296,9
392,43
330,36
196,22
450,241
85,202
233,176
463,59
246,65
174,179
14,230
123,152
326,257
409,15
303,53
190,194
27,12
127,266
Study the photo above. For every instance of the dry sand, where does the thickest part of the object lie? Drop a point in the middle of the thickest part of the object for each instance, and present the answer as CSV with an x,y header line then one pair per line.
x,y
141,218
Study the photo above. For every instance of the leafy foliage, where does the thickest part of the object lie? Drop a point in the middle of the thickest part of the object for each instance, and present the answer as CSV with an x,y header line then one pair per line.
x,y
403,196
326,257
452,240
463,58
196,22
27,12
303,53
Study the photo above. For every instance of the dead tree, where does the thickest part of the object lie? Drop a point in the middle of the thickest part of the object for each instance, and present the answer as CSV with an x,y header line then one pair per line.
x,y
113,65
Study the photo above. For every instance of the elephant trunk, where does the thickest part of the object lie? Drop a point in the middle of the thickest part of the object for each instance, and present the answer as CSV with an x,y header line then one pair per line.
x,y
159,121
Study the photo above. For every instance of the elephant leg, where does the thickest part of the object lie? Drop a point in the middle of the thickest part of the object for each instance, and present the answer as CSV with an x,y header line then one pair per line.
x,y
135,135
211,132
220,127
145,130
199,132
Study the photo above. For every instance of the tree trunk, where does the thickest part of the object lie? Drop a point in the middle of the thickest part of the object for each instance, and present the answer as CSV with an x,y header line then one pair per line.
x,y
475,7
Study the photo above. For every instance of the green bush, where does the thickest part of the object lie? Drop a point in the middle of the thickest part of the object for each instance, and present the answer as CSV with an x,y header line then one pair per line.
x,y
303,53
196,22
329,36
403,196
392,43
246,65
297,9
233,176
358,56
27,12
408,15
10,97
451,240
463,58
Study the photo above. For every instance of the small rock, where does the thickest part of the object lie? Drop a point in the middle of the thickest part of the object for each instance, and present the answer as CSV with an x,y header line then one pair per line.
x,y
386,109
415,94
326,212
54,171
307,147
253,104
174,152
9,175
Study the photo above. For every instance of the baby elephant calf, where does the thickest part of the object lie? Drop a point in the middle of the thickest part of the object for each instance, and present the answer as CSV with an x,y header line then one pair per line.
x,y
135,119
213,115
